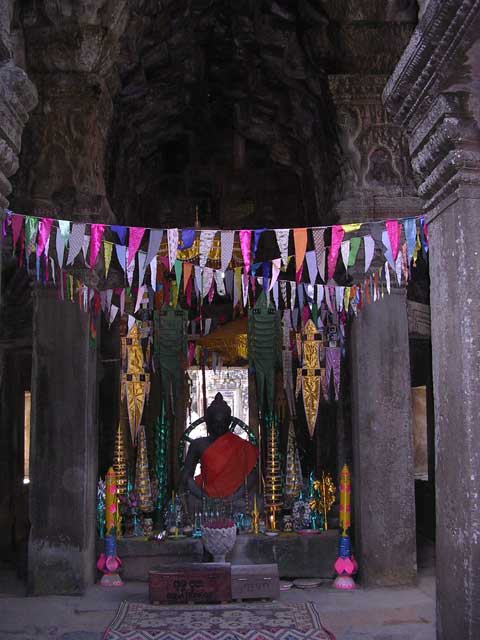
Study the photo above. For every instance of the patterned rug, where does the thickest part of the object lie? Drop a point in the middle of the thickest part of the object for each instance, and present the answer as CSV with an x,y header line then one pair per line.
x,y
276,621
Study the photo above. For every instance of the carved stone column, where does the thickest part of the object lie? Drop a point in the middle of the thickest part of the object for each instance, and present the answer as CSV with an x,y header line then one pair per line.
x,y
434,94
383,472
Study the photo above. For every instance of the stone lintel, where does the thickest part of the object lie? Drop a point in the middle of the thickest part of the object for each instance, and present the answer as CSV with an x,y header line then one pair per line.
x,y
445,31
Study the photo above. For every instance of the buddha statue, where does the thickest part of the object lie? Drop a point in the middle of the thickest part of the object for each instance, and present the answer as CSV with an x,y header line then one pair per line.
x,y
227,461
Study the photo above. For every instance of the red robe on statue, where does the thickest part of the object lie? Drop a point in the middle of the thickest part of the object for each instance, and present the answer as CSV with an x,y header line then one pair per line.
x,y
225,465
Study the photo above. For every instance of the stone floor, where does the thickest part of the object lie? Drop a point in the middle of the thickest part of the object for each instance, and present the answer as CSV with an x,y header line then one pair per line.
x,y
374,614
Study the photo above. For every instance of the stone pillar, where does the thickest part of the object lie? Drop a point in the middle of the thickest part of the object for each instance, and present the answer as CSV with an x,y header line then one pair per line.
x,y
63,461
434,94
383,474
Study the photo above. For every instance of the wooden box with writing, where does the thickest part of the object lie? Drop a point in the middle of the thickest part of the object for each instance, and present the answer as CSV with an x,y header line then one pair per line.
x,y
196,582
253,581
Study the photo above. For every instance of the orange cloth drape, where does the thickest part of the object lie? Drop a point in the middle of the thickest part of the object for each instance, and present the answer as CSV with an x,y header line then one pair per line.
x,y
225,465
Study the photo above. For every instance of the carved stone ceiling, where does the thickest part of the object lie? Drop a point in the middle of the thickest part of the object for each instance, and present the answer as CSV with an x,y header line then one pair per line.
x,y
172,104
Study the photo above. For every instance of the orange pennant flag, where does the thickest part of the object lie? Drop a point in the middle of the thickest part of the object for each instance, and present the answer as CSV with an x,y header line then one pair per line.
x,y
300,241
187,272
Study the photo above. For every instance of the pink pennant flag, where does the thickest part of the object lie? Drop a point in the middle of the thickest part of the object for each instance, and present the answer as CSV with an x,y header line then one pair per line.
x,y
44,227
96,235
300,241
245,242
134,240
337,235
17,224
393,230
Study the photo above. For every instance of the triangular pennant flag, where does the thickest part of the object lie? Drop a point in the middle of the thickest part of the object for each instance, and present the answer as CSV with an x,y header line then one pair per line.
x,y
220,282
256,239
345,249
44,226
369,243
328,299
300,242
17,224
109,298
354,247
187,274
320,294
178,272
64,226
75,241
113,313
154,242
130,323
293,293
337,235
319,244
96,235
153,273
245,281
339,293
226,248
393,230
142,266
60,247
107,255
85,245
398,268
346,298
229,282
275,271
283,289
31,226
275,294
206,241
172,237
311,259
135,236
130,272
187,239
121,252
140,293
387,276
122,302
388,253
121,232
245,241
282,236
410,227
198,279
237,285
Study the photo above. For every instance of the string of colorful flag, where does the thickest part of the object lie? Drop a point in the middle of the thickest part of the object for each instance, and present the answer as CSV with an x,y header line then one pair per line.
x,y
342,265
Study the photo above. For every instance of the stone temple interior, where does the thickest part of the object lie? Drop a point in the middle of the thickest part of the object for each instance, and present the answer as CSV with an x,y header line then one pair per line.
x,y
251,114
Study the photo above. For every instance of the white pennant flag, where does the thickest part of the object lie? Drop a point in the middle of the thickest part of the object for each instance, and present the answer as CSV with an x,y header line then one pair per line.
x,y
220,282
369,243
113,313
109,298
398,267
320,294
60,246
207,281
130,272
387,276
282,236
345,248
130,323
339,297
245,283
293,291
139,298
226,248
198,278
172,236
86,244
206,241
153,273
